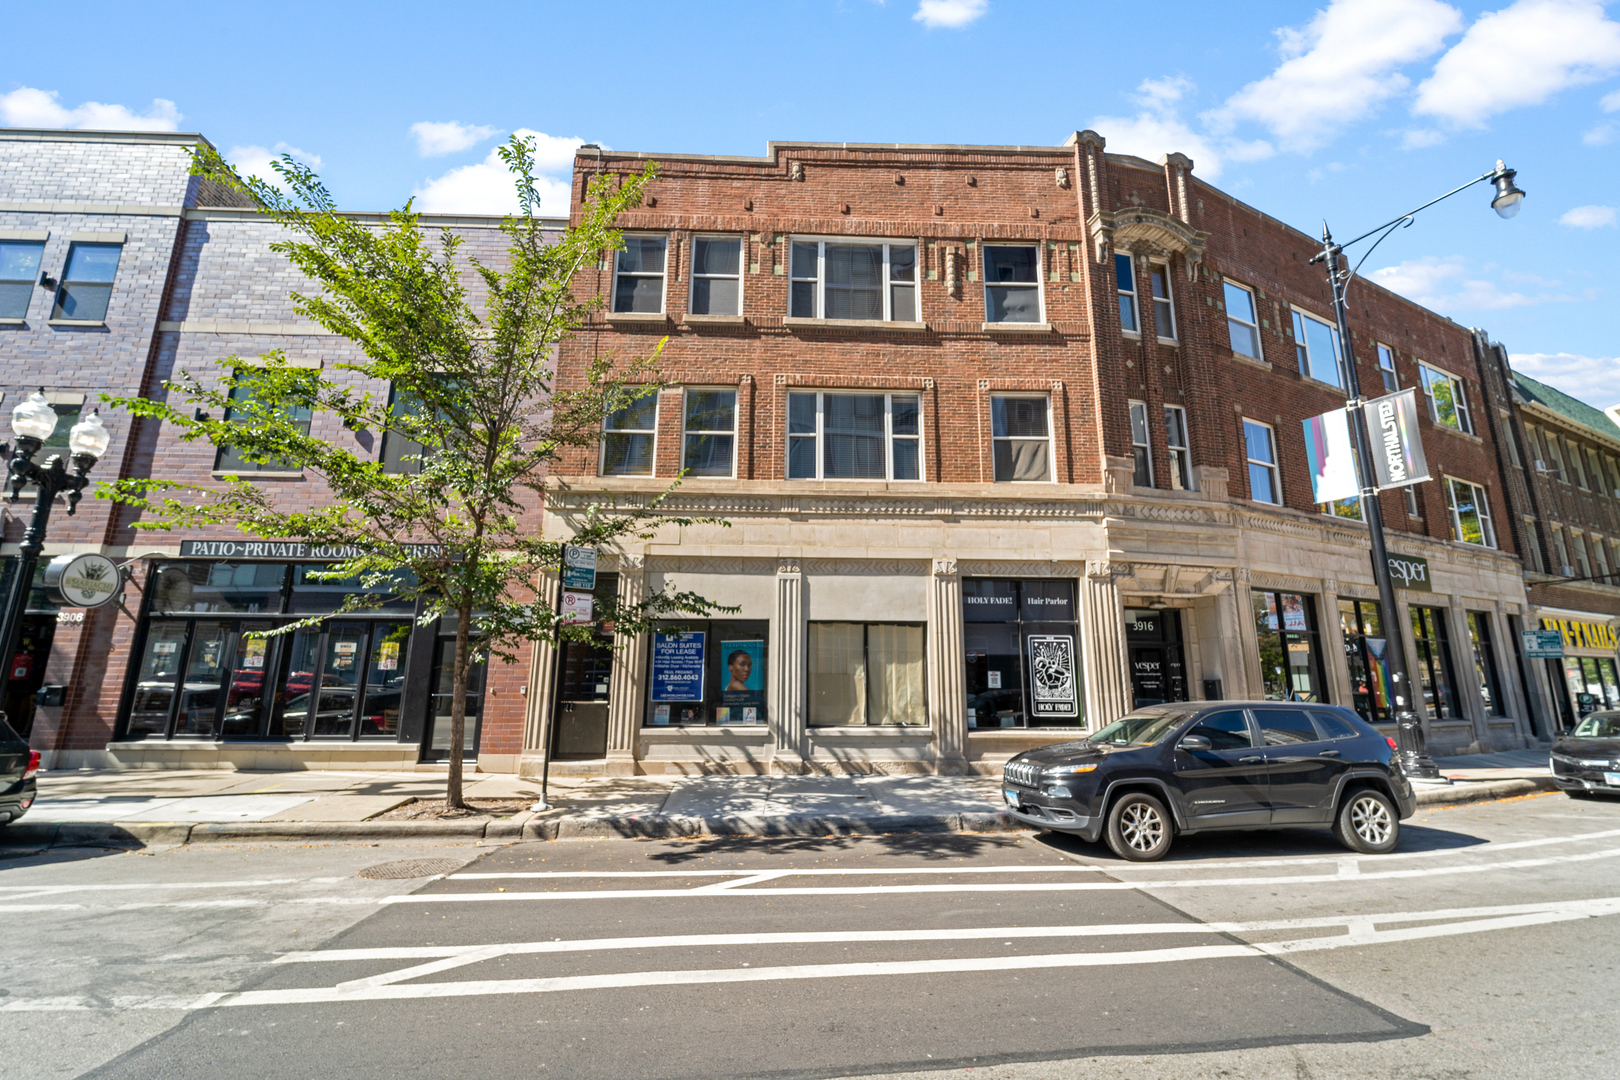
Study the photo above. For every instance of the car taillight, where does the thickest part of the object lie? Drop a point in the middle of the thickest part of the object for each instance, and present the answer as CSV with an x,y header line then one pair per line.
x,y
33,765
1391,742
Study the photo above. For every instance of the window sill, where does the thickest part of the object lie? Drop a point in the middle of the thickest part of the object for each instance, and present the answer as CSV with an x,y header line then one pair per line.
x,y
1252,361
754,730
1016,327
1314,381
1035,732
632,317
1132,334
868,325
13,322
1475,439
220,474
713,320
75,322
1174,343
881,730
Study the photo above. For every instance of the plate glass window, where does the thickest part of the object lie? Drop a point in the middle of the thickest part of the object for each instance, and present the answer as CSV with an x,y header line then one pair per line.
x,y
1470,513
1386,368
1012,290
866,674
87,283
1021,439
717,275
1175,439
1479,636
1430,641
1290,654
400,453
868,282
732,661
1242,321
1362,626
246,409
711,425
1448,404
1164,313
1317,345
638,284
1125,275
628,435
19,272
854,437
1141,451
1262,456
1022,656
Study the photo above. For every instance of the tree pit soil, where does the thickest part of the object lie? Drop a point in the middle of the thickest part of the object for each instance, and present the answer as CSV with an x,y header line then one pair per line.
x,y
476,810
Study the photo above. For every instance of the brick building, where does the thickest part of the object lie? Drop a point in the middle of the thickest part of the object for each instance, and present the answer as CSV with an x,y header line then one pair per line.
x,y
174,275
1008,439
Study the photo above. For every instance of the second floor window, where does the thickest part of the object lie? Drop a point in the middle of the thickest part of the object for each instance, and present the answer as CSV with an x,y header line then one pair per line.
x,y
854,437
1141,450
1317,345
1125,273
19,270
1175,440
1012,284
231,460
1021,439
86,284
400,453
1261,452
1448,401
628,437
1242,322
711,432
638,275
870,282
1470,513
1164,314
1386,368
717,275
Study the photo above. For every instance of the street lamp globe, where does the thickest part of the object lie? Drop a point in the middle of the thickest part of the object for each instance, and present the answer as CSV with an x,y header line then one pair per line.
x,y
34,418
1508,197
89,437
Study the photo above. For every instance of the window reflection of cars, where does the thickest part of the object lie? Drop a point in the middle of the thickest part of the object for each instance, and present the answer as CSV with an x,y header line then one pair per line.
x,y
335,706
154,699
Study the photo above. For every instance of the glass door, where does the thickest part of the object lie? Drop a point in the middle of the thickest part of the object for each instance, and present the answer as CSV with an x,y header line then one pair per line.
x,y
385,681
153,702
211,644
342,659
252,673
438,740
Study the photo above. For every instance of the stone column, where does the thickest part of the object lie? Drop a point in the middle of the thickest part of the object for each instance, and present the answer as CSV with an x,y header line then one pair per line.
x,y
1108,681
542,685
1248,682
1337,666
629,672
947,680
787,720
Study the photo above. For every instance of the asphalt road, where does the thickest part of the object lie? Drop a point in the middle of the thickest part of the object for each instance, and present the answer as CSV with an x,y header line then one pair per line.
x,y
1486,946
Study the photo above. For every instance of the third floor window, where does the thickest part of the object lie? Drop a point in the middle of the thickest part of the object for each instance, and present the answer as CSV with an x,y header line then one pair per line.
x,y
86,284
1448,400
1012,284
19,270
872,281
717,275
1317,344
638,275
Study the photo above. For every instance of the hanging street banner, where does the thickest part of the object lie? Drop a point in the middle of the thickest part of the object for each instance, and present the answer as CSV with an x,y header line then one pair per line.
x,y
579,567
1331,459
1397,452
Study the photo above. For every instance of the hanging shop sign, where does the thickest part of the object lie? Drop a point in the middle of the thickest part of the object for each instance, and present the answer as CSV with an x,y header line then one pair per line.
x,y
88,580
1582,635
677,665
1397,452
579,567
290,549
1054,690
1542,644
1332,462
1410,572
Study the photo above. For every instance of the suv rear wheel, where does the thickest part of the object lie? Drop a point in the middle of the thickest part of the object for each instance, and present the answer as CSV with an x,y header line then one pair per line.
x,y
1138,828
1367,822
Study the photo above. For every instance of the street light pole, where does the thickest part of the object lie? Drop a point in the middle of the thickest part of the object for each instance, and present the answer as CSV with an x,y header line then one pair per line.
x,y
1415,760
33,422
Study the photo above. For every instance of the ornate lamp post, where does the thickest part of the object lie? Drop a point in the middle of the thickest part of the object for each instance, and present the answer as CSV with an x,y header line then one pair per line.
x,y
33,422
1506,202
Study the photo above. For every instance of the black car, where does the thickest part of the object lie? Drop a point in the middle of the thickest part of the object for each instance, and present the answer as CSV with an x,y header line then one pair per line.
x,y
1587,760
1199,766
18,765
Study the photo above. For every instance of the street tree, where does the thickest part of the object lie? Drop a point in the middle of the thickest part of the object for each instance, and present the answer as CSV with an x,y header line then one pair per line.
x,y
450,522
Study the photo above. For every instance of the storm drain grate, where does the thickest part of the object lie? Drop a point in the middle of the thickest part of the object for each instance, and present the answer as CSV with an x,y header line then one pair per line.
x,y
411,868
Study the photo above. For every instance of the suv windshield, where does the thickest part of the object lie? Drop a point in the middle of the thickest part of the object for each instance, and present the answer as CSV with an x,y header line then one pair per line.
x,y
1599,726
1140,729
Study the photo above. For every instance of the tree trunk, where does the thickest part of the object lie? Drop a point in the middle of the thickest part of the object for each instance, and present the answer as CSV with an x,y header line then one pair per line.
x,y
458,707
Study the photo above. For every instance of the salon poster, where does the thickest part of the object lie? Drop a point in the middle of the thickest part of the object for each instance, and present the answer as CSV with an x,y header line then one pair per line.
x,y
677,666
743,679
1293,612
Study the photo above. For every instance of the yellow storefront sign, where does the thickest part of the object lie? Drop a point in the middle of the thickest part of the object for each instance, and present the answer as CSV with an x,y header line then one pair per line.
x,y
1582,635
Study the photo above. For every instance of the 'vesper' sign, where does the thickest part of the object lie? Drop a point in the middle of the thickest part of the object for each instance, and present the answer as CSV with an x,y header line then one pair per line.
x,y
1397,452
1410,572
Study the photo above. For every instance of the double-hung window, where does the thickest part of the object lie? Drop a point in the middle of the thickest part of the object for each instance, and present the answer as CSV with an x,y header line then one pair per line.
x,y
87,282
1577,541
1448,401
854,436
1261,450
1316,344
1012,284
716,275
401,453
1175,439
246,409
1561,550
19,270
711,432
1555,456
1242,321
1532,539
1164,313
628,437
1125,272
1141,450
1386,368
1577,463
638,275
1595,468
869,281
1600,556
1021,439
1470,513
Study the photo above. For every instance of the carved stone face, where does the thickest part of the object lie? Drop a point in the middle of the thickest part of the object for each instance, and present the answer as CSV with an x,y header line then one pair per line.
x,y
796,170
1062,177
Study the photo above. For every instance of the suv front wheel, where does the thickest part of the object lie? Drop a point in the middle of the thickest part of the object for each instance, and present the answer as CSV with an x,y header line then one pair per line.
x,y
1367,822
1138,828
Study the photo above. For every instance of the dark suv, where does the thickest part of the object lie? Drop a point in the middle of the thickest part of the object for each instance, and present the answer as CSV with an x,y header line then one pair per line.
x,y
18,765
1200,766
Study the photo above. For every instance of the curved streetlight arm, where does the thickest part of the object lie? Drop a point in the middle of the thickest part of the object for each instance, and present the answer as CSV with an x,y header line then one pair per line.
x,y
1492,175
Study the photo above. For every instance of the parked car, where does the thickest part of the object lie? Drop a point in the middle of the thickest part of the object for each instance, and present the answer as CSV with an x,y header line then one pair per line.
x,y
1586,761
18,767
1199,766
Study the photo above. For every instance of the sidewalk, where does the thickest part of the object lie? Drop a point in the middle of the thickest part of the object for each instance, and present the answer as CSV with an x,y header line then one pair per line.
x,y
194,806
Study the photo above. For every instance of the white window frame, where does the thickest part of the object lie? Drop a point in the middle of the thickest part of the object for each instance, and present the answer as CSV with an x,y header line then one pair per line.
x,y
1040,279
1576,459
889,437
1594,463
1583,561
663,293
1612,476
1167,303
1561,549
601,464
686,431
1411,501
1482,503
1459,395
1386,367
1051,441
1139,411
1254,306
887,243
1614,557
1134,292
1181,454
1269,466
1600,553
1512,443
691,286
1302,345
1532,535
1556,453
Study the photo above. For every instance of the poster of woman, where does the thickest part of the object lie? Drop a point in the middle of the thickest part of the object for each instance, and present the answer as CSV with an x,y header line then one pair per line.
x,y
742,694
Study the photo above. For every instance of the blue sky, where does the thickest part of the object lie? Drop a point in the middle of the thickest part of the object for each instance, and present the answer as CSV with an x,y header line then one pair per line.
x,y
1353,110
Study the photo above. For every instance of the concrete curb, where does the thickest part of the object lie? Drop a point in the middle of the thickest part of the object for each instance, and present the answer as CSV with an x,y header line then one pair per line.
x,y
1471,791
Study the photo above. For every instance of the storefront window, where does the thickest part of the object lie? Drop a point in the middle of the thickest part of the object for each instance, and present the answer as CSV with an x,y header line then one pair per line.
x,y
312,594
1290,655
155,683
1593,684
248,587
1479,636
1434,662
1023,666
1362,626
709,672
867,674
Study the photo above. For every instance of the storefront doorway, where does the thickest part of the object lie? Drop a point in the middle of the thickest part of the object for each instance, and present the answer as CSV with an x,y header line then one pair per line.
x,y
1153,643
584,682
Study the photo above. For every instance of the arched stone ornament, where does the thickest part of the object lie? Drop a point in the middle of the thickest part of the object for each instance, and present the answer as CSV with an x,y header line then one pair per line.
x,y
1144,228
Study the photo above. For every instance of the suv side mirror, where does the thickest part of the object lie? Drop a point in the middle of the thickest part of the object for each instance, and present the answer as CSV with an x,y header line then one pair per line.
x,y
1195,743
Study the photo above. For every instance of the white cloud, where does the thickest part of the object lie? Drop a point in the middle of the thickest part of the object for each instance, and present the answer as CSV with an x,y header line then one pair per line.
x,y
1157,130
1339,67
950,14
488,187
1420,138
1592,379
1453,283
1601,135
435,139
28,107
1611,102
1521,55
1589,217
255,160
